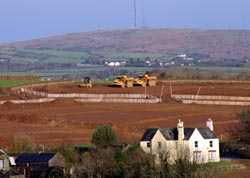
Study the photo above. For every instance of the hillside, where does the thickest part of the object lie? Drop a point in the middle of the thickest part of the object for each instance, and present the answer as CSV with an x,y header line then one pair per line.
x,y
228,44
136,46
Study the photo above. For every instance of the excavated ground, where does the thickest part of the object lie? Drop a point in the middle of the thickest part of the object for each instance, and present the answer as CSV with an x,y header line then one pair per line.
x,y
65,121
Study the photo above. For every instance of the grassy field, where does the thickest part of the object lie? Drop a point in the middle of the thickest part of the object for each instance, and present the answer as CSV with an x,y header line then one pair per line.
x,y
2,95
11,83
76,72
224,69
6,52
109,56
45,56
60,56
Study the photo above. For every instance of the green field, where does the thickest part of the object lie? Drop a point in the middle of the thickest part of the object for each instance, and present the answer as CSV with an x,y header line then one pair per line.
x,y
11,83
45,56
109,56
234,69
59,56
78,71
2,95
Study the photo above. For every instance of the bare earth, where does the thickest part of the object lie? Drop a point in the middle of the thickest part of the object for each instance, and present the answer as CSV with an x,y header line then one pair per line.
x,y
65,121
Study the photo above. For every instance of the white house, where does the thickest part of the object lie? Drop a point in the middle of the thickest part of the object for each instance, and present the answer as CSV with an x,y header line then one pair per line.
x,y
4,162
198,144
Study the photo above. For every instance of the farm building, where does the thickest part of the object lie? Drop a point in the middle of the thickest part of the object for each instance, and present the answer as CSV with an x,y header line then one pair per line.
x,y
200,145
36,164
4,162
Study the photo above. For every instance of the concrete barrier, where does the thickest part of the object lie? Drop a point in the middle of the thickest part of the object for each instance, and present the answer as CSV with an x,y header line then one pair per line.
x,y
213,100
117,100
41,100
207,97
2,102
112,98
232,103
84,95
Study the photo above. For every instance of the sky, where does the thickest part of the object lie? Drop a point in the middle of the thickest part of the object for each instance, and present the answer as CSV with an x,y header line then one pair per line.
x,y
31,19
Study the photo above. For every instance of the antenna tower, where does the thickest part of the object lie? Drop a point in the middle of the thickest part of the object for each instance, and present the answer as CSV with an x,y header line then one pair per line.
x,y
135,13
143,18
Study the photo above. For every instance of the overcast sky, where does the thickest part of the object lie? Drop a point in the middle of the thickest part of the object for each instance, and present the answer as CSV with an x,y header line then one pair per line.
x,y
31,19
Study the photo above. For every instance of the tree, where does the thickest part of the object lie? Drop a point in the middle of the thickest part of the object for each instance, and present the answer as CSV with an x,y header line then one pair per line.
x,y
104,136
242,130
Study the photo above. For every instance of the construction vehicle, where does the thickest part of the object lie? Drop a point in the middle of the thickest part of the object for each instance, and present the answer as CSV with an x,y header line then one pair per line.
x,y
86,83
123,81
145,80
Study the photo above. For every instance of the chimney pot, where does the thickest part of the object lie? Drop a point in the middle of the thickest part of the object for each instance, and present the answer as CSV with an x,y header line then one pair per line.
x,y
210,124
180,128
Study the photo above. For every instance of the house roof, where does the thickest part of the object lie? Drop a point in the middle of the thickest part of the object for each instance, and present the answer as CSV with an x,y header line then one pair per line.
x,y
172,133
2,152
149,134
207,133
35,157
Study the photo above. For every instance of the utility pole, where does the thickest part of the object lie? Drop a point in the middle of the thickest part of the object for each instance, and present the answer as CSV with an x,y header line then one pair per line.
x,y
170,88
135,13
196,96
162,92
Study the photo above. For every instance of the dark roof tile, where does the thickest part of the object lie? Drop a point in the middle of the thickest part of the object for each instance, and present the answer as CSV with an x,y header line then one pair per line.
x,y
172,133
207,133
34,157
149,134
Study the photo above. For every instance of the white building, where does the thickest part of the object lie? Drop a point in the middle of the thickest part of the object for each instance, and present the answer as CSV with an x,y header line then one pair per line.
x,y
198,144
4,162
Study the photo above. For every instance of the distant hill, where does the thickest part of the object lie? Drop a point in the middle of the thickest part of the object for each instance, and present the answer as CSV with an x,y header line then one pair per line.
x,y
215,44
139,50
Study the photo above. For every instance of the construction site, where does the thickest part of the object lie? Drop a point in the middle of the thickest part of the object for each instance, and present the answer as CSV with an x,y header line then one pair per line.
x,y
65,113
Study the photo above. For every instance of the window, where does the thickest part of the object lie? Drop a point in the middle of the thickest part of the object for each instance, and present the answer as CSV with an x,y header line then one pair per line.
x,y
196,144
197,156
159,145
148,144
1,164
211,143
211,155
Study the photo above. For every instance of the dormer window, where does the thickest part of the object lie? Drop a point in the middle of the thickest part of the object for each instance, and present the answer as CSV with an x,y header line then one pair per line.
x,y
211,143
196,144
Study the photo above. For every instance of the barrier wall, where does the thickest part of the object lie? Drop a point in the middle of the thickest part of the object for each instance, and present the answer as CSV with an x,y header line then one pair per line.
x,y
42,100
2,102
205,97
233,103
84,95
118,98
213,100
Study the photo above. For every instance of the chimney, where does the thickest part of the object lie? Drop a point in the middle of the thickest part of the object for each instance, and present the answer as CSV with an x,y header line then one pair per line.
x,y
210,124
180,128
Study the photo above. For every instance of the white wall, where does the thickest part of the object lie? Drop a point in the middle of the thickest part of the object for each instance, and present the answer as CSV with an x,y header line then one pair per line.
x,y
203,147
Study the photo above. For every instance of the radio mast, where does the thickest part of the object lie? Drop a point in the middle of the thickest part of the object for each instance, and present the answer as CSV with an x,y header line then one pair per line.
x,y
135,13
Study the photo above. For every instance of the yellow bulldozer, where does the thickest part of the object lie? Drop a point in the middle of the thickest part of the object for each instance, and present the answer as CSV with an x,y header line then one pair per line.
x,y
86,83
123,81
145,80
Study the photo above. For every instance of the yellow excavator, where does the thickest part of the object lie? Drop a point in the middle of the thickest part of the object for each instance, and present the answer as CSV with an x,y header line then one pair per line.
x,y
123,81
145,80
86,83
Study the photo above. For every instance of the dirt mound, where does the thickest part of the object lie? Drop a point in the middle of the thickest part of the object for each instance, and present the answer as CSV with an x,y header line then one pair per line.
x,y
9,105
63,101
